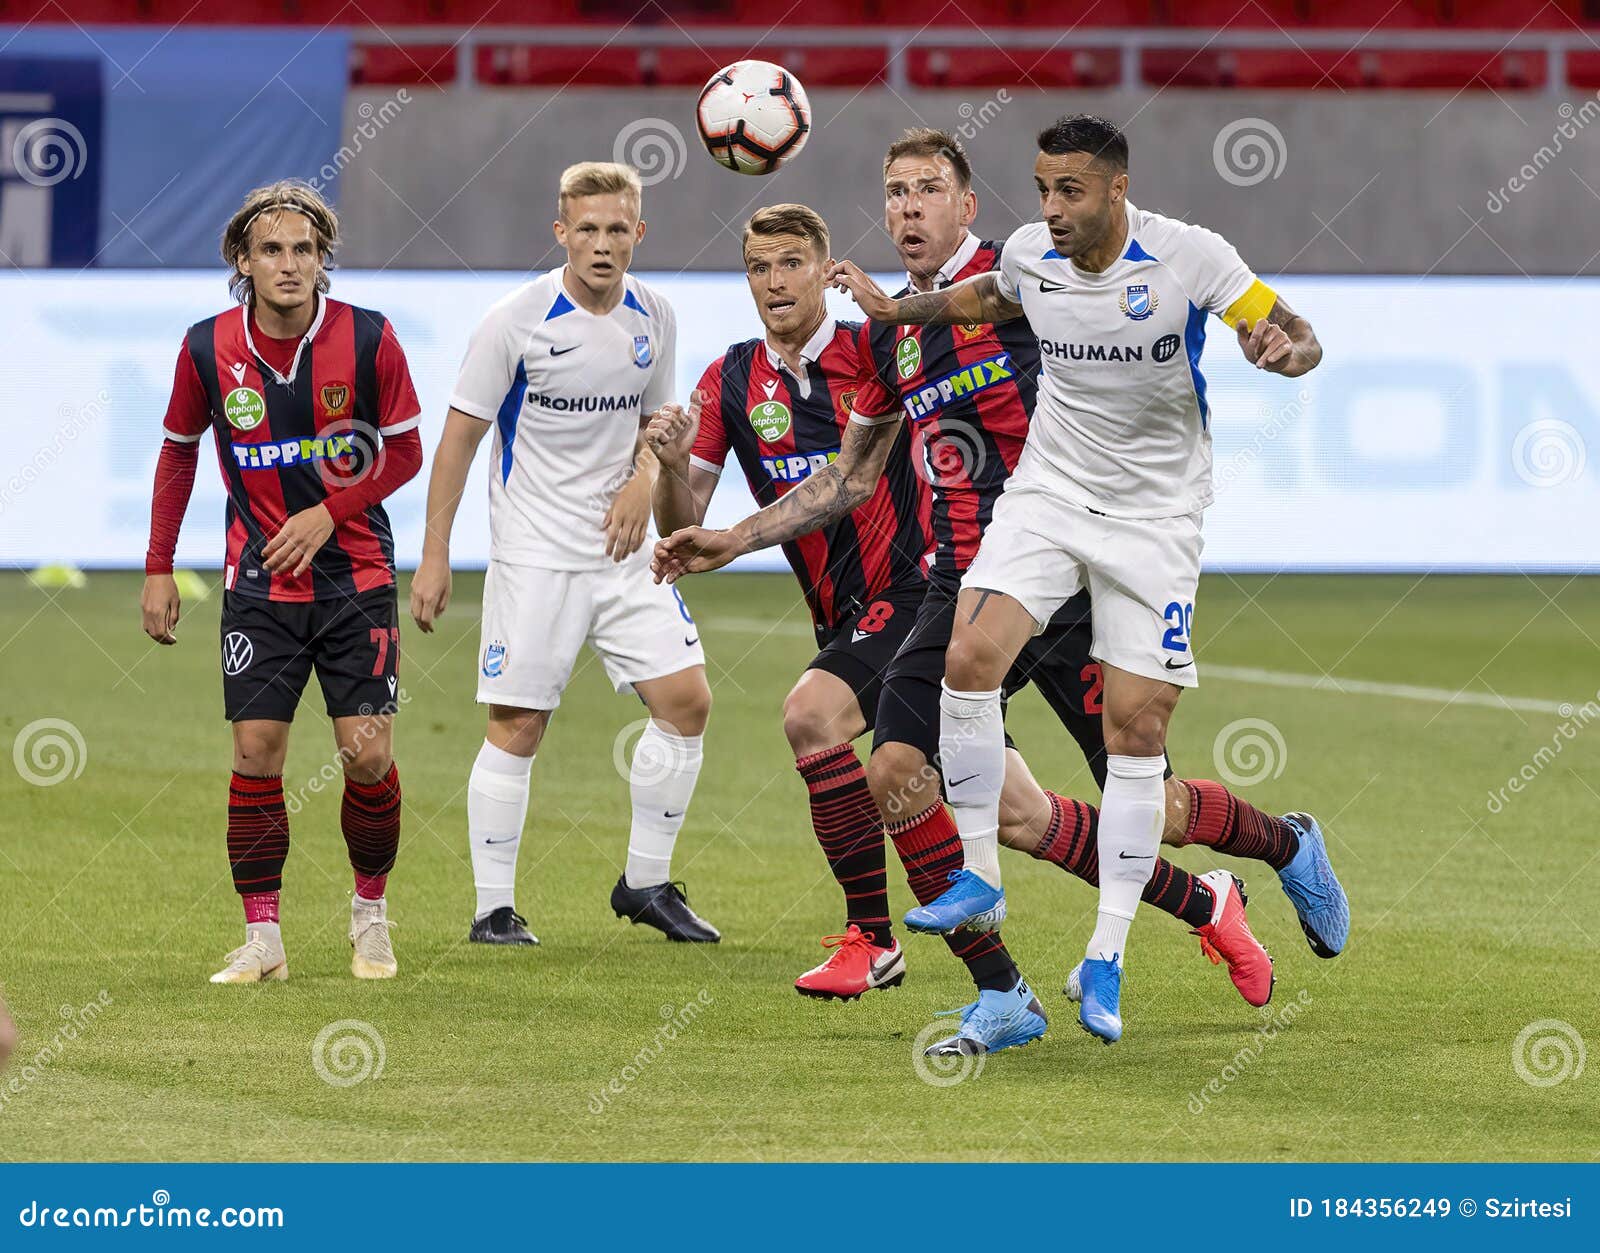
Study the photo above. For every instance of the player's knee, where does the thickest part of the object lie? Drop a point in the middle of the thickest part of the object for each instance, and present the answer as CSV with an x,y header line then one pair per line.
x,y
517,731
1143,733
902,781
258,753
972,663
368,763
690,709
807,724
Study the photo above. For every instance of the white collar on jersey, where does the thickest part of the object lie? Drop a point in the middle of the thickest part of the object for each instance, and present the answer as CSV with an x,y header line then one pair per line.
x,y
957,262
311,332
813,349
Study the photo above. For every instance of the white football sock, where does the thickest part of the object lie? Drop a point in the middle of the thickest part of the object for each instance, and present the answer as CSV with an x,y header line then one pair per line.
x,y
661,780
1132,811
972,755
270,933
497,806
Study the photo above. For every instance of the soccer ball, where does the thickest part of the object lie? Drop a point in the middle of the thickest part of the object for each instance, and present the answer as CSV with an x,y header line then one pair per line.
x,y
753,116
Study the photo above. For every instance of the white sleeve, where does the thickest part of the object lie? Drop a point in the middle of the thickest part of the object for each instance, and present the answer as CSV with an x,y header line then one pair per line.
x,y
1010,269
491,364
663,385
1212,270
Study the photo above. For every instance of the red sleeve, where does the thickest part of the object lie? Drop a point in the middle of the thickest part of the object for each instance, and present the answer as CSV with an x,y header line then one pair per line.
x,y
397,396
188,412
874,397
398,463
174,483
711,441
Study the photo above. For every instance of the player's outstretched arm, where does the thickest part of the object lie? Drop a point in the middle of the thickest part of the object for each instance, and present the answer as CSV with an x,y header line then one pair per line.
x,y
972,300
1282,342
430,585
824,497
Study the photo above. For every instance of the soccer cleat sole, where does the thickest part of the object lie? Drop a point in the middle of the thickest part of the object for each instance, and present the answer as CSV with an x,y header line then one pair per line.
x,y
1318,948
278,974
1095,1035
818,994
988,920
363,969
676,939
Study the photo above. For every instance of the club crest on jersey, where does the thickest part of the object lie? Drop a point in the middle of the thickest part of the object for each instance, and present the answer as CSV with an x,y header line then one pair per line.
x,y
908,357
1139,302
847,400
771,419
641,351
335,398
244,408
494,660
972,330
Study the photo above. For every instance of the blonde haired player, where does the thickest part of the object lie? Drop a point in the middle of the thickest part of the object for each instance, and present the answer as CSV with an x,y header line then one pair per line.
x,y
566,370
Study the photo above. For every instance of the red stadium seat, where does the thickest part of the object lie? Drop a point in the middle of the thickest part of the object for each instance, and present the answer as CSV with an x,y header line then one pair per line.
x,y
1348,69
1513,15
1583,70
558,65
397,65
815,66
988,66
1375,14
1253,14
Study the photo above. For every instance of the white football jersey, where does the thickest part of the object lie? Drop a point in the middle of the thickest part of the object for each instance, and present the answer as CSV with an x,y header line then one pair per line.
x,y
1121,422
566,390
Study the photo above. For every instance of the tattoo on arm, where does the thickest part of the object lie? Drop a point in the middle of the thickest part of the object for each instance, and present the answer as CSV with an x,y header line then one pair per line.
x,y
828,494
1299,331
976,299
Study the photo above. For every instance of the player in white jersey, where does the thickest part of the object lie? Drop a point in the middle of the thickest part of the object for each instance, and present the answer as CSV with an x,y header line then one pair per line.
x,y
1108,494
566,371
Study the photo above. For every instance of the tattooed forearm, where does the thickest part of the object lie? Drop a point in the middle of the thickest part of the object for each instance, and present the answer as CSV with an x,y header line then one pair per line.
x,y
823,498
976,299
1307,350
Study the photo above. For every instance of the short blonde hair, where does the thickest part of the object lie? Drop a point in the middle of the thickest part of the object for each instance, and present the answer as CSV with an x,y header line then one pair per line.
x,y
285,196
788,219
599,178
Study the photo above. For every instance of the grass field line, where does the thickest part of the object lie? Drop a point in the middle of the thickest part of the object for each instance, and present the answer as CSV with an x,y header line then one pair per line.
x,y
1268,678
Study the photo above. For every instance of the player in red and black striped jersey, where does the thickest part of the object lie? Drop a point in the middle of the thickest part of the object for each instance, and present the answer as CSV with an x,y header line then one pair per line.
x,y
314,417
966,393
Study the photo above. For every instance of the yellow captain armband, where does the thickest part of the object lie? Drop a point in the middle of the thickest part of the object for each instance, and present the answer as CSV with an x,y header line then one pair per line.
x,y
1254,305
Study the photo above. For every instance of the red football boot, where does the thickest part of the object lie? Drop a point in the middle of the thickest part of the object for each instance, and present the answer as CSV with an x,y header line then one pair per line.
x,y
856,966
1227,938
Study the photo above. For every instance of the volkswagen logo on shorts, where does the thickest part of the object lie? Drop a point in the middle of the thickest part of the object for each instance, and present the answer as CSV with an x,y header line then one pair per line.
x,y
1165,348
236,652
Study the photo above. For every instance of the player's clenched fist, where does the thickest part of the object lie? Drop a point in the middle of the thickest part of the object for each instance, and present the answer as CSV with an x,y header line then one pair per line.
x,y
693,550
848,277
1268,347
158,605
670,433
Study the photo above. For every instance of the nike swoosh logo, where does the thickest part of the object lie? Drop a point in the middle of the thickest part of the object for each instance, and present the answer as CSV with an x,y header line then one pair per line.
x,y
959,782
1180,664
690,643
1048,287
1131,857
667,813
487,840
561,352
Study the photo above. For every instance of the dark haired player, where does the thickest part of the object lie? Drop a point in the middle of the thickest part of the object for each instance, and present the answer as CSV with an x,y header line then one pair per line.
x,y
968,440
1107,496
315,421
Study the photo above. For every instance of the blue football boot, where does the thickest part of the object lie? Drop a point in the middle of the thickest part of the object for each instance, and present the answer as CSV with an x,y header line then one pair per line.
x,y
1309,882
967,902
1100,998
995,1021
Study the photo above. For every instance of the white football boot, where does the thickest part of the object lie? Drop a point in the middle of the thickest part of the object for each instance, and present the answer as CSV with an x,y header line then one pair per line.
x,y
369,936
260,959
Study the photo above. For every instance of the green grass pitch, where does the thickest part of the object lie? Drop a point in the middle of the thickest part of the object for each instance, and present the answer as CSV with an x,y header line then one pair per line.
x,y
1473,920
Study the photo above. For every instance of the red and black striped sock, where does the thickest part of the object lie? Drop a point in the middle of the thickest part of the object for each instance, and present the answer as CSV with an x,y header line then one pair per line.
x,y
370,817
1221,820
258,842
1071,842
850,830
930,848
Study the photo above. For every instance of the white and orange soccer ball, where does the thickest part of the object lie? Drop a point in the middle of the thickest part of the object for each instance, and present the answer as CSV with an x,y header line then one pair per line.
x,y
753,116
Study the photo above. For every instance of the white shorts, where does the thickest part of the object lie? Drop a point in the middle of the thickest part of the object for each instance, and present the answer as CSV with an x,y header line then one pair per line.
x,y
535,621
1141,574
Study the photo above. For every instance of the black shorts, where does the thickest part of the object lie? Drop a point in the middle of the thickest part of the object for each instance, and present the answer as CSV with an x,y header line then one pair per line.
x,y
270,647
861,647
1057,662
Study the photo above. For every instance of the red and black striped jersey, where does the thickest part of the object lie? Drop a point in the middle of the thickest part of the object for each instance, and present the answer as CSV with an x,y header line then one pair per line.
x,y
967,393
289,434
782,428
